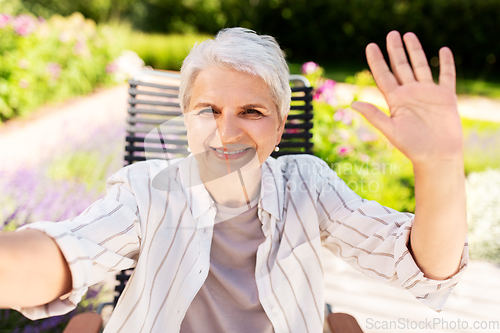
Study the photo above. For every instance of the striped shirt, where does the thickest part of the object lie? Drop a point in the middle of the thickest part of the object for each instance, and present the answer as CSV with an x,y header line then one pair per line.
x,y
160,219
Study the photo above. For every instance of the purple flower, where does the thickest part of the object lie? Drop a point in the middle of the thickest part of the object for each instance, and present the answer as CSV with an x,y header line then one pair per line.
x,y
309,67
24,25
54,70
51,322
5,20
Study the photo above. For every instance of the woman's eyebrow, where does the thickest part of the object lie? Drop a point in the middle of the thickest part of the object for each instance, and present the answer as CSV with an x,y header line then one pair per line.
x,y
204,105
253,106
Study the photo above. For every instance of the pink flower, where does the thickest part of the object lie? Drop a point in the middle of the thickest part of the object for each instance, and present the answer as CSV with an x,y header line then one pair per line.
x,y
309,67
54,70
367,137
24,84
24,25
348,118
365,158
23,63
344,134
338,115
111,68
344,150
81,47
5,20
327,91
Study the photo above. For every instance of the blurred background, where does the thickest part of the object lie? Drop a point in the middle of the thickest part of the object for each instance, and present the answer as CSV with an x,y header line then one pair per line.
x,y
63,99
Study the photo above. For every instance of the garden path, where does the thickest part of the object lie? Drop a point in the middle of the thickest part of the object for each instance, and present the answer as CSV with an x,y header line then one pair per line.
x,y
31,141
26,143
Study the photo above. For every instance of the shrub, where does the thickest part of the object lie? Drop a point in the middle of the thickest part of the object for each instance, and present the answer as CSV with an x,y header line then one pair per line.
x,y
48,61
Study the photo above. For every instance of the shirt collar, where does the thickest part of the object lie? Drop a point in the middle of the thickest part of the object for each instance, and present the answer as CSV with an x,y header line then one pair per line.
x,y
272,188
197,195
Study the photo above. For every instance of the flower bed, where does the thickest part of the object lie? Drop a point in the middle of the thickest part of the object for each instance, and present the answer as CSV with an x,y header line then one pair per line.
x,y
47,61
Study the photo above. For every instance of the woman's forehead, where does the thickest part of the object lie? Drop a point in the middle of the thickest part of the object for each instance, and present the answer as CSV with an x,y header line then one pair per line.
x,y
216,85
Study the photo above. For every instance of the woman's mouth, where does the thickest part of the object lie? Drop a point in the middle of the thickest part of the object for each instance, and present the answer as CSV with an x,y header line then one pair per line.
x,y
226,154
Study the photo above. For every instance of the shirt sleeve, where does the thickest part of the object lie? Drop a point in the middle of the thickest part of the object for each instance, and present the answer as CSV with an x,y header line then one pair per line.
x,y
100,242
373,239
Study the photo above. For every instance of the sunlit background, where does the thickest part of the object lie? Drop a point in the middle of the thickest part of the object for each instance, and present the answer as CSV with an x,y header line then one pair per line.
x,y
63,94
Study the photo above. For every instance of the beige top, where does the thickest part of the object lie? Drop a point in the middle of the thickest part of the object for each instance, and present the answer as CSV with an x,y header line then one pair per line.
x,y
228,301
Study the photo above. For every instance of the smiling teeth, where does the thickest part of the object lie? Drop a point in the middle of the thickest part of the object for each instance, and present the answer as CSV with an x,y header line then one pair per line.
x,y
229,152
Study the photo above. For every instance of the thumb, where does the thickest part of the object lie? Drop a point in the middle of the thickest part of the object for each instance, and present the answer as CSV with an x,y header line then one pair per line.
x,y
376,117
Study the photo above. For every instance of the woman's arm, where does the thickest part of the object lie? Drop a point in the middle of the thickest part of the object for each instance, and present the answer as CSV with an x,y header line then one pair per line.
x,y
33,270
425,125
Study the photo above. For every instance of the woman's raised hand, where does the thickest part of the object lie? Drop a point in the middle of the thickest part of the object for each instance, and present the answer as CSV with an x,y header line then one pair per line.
x,y
424,122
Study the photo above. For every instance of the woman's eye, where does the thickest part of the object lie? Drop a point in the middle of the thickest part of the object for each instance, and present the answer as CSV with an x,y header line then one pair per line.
x,y
206,112
253,112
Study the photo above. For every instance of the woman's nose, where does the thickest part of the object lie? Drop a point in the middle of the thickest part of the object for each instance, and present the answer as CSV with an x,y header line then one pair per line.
x,y
228,129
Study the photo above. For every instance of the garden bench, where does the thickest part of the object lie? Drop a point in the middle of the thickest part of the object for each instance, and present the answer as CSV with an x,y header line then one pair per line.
x,y
153,102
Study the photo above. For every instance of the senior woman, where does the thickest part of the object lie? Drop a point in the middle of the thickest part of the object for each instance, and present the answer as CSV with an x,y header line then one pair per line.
x,y
229,239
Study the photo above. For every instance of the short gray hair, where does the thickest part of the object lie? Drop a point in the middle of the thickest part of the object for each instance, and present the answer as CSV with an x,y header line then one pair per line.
x,y
245,51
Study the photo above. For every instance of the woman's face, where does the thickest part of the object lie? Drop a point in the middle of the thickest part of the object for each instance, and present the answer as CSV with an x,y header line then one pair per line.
x,y
231,119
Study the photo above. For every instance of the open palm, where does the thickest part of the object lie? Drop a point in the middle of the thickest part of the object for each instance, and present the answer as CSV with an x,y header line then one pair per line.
x,y
424,122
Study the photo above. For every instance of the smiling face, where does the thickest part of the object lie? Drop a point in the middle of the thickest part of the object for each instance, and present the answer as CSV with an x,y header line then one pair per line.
x,y
231,119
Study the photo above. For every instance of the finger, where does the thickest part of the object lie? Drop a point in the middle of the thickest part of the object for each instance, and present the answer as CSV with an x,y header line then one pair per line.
x,y
418,59
382,75
447,75
397,55
376,117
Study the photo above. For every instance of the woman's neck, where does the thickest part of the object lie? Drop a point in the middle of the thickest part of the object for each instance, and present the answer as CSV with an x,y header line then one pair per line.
x,y
236,189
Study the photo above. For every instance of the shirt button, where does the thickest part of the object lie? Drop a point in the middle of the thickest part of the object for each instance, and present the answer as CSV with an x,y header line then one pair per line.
x,y
201,270
275,309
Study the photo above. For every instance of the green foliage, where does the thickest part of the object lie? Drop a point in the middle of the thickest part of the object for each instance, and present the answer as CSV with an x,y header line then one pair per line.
x,y
49,61
86,167
162,51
